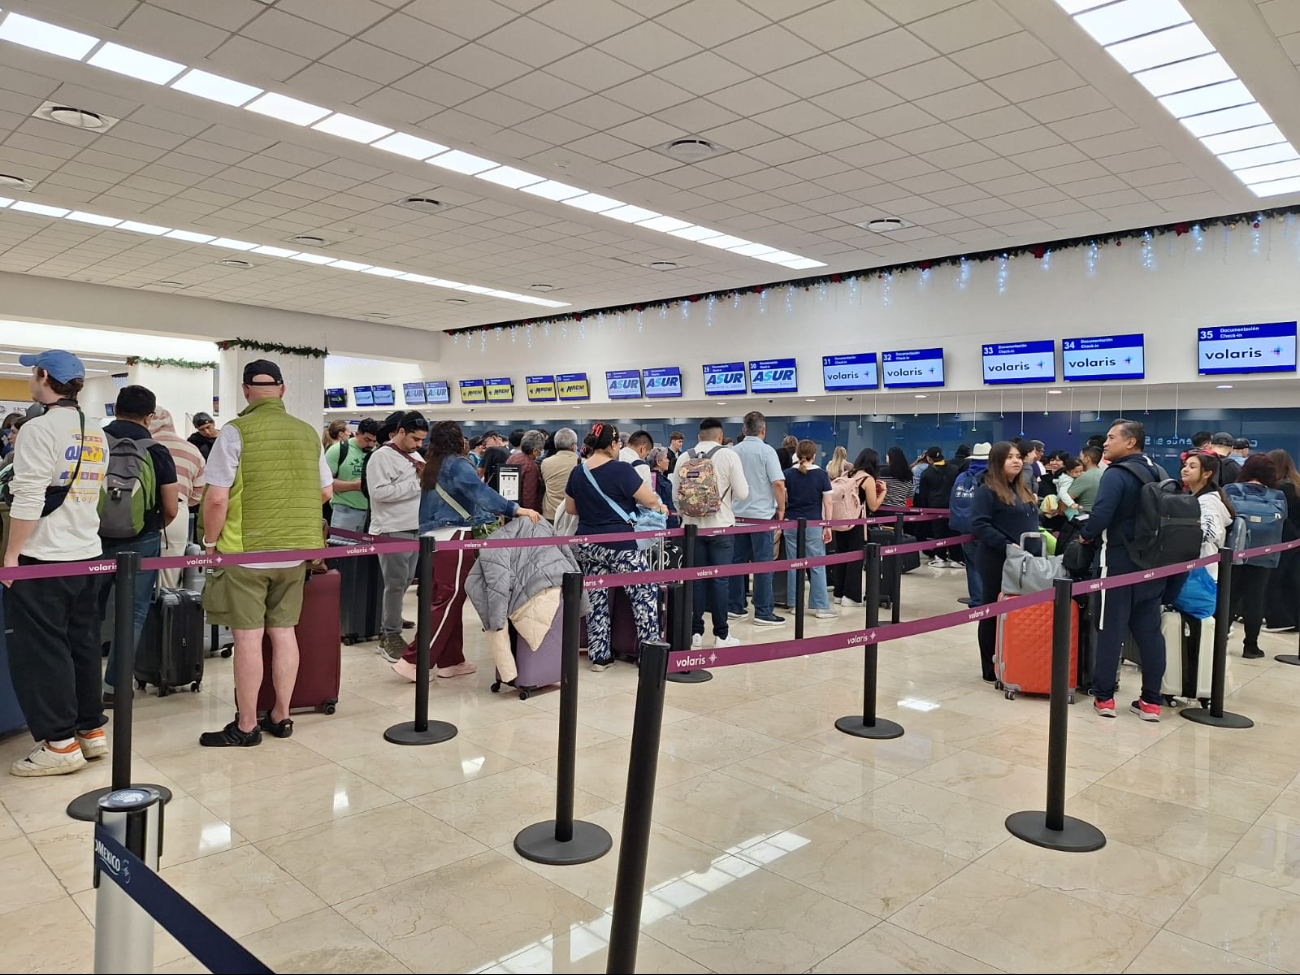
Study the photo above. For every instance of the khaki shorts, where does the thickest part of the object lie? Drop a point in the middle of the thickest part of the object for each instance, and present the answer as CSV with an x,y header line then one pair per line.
x,y
250,599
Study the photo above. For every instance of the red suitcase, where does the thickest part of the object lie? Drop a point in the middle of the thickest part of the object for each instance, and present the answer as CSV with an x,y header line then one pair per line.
x,y
320,658
1024,650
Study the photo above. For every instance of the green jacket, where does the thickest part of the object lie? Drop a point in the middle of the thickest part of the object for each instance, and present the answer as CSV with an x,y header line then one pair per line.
x,y
275,500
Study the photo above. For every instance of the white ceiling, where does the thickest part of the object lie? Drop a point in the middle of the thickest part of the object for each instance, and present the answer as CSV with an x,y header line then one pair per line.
x,y
983,122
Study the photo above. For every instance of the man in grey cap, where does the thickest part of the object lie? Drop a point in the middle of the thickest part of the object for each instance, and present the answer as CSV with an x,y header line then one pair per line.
x,y
54,656
204,435
1229,467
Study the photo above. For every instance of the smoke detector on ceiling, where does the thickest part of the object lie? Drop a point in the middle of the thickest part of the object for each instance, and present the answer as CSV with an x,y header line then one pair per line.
x,y
236,263
690,149
422,204
77,118
884,225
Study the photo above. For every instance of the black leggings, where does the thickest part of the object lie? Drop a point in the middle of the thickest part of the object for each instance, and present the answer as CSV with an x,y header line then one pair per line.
x,y
1249,587
845,578
989,561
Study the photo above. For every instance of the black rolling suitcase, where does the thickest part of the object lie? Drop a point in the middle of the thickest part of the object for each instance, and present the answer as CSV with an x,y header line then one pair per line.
x,y
361,597
171,647
892,565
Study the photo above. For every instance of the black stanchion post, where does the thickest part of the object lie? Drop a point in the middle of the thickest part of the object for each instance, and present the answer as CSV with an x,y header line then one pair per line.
x,y
1214,715
686,599
896,574
638,806
1289,658
422,731
866,724
1053,829
86,806
800,577
562,841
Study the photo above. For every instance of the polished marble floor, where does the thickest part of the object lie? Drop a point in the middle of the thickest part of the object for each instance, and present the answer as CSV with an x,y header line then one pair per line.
x,y
780,845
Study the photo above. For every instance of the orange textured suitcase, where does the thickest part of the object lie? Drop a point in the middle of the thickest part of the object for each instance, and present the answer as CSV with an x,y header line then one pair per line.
x,y
320,658
1024,650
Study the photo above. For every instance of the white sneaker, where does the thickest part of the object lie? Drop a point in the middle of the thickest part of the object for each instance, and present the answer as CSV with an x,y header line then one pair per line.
x,y
727,641
827,614
938,563
737,616
45,760
954,564
846,601
94,744
697,639
599,668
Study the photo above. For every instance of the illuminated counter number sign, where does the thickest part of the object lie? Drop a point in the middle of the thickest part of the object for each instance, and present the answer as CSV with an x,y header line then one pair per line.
x,y
773,376
573,385
623,384
1246,348
665,382
500,390
471,391
541,389
722,378
1101,357
912,368
1019,362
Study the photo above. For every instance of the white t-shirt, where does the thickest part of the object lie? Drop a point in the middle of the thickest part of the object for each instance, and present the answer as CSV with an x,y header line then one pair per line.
x,y
45,455
394,491
732,484
223,466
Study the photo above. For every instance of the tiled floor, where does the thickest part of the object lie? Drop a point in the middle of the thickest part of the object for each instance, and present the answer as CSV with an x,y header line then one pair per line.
x,y
780,845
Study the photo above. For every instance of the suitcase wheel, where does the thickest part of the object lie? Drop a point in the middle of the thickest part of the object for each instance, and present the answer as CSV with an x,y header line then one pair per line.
x,y
523,694
329,707
163,690
349,640
141,685
1010,694
227,651
496,687
194,688
1070,698
999,685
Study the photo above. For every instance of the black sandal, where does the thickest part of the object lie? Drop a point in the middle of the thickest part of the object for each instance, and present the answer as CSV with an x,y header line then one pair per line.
x,y
280,729
231,737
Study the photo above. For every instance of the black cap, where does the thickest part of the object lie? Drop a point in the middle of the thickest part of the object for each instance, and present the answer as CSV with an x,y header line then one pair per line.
x,y
201,420
1222,440
1241,443
262,367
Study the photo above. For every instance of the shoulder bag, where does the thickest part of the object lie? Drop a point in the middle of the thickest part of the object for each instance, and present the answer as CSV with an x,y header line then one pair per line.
x,y
645,520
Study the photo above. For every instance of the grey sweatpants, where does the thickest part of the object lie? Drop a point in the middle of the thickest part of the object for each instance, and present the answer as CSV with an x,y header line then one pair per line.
x,y
398,570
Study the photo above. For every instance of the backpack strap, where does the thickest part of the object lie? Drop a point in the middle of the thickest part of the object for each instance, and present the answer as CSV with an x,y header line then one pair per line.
x,y
455,506
618,510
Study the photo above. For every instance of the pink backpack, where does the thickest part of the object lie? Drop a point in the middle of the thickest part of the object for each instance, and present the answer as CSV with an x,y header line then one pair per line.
x,y
846,497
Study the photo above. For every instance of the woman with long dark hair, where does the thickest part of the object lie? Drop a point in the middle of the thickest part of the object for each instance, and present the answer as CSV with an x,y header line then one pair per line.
x,y
596,489
453,503
1200,476
897,478
1002,510
845,578
1282,602
808,496
1256,496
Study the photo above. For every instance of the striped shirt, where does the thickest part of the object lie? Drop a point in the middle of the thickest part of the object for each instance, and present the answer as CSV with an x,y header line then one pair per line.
x,y
189,465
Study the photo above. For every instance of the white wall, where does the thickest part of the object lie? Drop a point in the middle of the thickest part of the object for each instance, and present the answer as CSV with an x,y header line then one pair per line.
x,y
346,372
182,392
96,394
1165,291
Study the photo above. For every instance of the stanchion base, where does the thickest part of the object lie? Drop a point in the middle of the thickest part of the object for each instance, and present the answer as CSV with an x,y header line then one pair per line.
x,y
86,806
1077,836
690,677
852,724
538,844
1288,658
405,733
1227,720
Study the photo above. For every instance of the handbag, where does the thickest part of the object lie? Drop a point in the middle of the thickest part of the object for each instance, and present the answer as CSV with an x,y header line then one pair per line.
x,y
1199,595
645,520
1024,572
1078,558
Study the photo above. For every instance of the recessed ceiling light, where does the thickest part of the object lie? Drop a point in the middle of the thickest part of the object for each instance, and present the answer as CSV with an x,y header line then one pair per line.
x,y
594,202
883,225
1182,75
726,241
509,176
409,146
1131,18
312,258
349,265
1054,392
422,204
920,396
4,202
462,301
8,179
662,266
723,403
551,190
234,245
417,278
753,250
779,257
1227,120
383,272
77,118
136,226
287,109
542,287
1259,135
630,213
191,236
42,209
135,64
235,263
274,251
354,129
82,217
664,224
695,233
462,162
46,37
1224,386
810,400
1163,47
215,88
690,150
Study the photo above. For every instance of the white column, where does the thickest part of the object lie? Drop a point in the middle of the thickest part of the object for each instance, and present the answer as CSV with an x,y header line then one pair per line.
x,y
182,392
304,380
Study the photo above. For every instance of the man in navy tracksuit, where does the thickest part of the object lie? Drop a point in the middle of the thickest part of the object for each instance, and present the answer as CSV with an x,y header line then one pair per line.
x,y
1136,608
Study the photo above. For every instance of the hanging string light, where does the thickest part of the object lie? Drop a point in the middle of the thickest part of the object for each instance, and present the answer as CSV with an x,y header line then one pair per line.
x,y
963,274
1091,259
1002,274
1148,252
789,299
708,311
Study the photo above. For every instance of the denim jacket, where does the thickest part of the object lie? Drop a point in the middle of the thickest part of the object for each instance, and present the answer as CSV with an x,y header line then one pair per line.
x,y
459,479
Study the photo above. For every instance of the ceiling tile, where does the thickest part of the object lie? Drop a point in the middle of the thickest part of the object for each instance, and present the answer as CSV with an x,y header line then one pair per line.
x,y
1057,155
1006,54
1141,159
815,167
648,94
959,155
590,22
593,70
752,96
869,153
928,138
1023,140
1182,187
886,52
857,99
837,23
170,32
995,122
257,60
294,34
1145,179
837,135
965,26
1042,79
438,86
1009,186
890,121
962,101
926,78
780,151
1066,104
1087,126
704,73
324,82
359,58
814,76
793,119
712,22
981,172
696,115
482,66
763,50
740,134
414,38
543,90
348,16
1117,142
776,9
468,20
230,15
1072,172
649,46
1099,184
498,108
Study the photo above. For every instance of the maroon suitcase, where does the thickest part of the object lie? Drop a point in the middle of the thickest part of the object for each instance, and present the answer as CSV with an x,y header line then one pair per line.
x,y
623,642
320,658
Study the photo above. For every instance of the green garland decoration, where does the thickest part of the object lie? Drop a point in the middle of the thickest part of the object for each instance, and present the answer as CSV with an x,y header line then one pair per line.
x,y
250,345
1035,250
137,360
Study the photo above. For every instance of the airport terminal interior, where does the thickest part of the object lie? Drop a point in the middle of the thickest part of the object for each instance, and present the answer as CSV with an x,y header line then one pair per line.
x,y
973,254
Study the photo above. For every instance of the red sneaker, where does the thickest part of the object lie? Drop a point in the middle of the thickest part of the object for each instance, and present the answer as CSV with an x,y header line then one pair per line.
x,y
1145,711
1105,709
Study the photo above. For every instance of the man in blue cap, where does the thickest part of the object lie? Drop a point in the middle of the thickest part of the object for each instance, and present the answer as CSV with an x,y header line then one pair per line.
x,y
54,656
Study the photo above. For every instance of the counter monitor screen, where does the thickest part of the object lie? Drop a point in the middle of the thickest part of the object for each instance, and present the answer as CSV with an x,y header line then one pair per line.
x,y
912,368
623,384
383,395
842,373
413,393
663,383
336,399
773,376
1101,357
363,396
1019,362
437,392
722,378
1246,348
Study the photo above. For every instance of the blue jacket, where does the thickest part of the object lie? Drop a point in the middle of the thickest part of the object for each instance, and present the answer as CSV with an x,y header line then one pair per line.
x,y
1116,506
995,524
459,479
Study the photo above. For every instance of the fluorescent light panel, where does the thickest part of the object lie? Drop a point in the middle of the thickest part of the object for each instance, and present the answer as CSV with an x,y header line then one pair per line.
x,y
1193,73
82,217
1277,187
1227,120
551,190
1227,94
215,88
1266,174
135,226
40,209
135,64
462,162
355,129
509,176
287,109
1131,18
1163,47
410,146
594,203
49,38
1260,135
1278,152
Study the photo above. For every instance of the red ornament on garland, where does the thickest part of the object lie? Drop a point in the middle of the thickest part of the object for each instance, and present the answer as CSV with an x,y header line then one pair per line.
x,y
1038,252
924,265
1255,224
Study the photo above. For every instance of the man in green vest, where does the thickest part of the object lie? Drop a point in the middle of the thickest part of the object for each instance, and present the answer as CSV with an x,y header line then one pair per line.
x,y
267,479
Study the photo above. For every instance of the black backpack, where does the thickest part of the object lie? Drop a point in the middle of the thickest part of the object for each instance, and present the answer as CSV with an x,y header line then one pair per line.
x,y
1168,525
